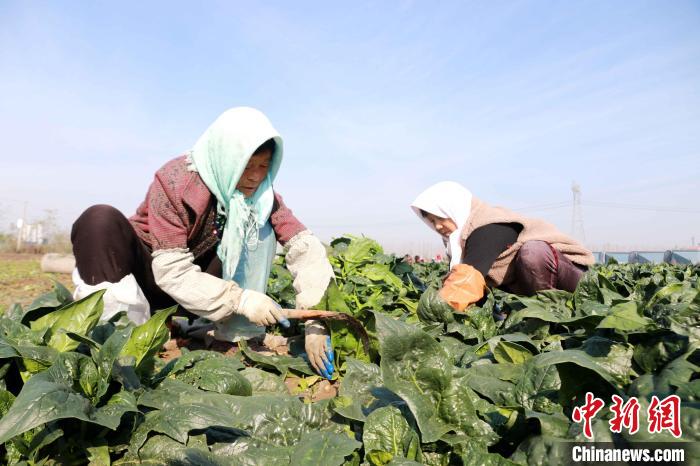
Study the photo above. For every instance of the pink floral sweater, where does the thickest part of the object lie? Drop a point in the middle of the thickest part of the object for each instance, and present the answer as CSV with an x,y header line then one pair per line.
x,y
180,212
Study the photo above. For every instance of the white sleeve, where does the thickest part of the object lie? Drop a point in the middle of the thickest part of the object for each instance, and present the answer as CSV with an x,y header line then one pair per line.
x,y
307,261
203,294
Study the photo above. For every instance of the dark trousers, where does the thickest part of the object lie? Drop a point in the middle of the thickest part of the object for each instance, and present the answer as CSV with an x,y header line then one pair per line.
x,y
106,249
539,266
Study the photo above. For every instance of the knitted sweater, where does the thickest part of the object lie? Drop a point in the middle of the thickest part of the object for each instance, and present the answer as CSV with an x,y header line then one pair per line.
x,y
180,212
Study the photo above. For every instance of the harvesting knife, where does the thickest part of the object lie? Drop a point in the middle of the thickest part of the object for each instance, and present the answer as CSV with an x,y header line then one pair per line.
x,y
356,325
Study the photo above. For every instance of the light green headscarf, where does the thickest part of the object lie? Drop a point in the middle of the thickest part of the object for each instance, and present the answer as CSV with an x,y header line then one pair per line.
x,y
220,156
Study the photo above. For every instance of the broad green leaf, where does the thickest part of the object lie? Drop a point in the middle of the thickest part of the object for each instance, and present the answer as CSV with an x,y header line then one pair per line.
x,y
433,308
675,374
48,302
665,292
147,339
14,312
218,374
246,451
474,453
280,419
559,316
87,341
543,450
49,396
379,457
509,352
79,317
89,379
167,394
460,407
475,324
609,360
278,362
98,455
538,388
579,373
346,342
177,423
363,387
556,425
381,273
41,439
689,391
686,318
360,250
189,358
110,414
657,349
387,430
615,357
16,340
454,347
107,355
480,321
323,449
624,317
519,338
417,369
495,381
161,450
587,290
434,458
264,382
124,372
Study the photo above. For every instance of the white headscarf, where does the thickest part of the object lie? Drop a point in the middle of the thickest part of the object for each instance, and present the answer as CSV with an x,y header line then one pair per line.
x,y
446,199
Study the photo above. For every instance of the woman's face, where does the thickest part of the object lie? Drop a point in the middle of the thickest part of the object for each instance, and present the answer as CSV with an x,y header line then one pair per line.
x,y
255,172
444,226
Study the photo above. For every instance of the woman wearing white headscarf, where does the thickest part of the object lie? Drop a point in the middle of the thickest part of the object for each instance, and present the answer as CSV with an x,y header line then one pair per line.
x,y
205,238
494,246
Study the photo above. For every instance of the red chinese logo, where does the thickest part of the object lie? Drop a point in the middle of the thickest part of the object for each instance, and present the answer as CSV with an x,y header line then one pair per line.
x,y
587,412
665,415
625,415
662,414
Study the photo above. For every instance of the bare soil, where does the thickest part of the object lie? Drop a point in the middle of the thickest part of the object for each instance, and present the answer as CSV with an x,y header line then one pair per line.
x,y
22,281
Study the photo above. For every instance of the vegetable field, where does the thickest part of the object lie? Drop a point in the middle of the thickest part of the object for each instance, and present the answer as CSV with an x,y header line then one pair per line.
x,y
494,386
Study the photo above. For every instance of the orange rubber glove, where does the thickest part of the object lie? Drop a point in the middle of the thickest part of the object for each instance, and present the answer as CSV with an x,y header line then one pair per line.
x,y
463,286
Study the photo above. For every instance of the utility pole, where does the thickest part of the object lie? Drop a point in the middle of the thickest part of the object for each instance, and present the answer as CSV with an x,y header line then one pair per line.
x,y
20,227
577,230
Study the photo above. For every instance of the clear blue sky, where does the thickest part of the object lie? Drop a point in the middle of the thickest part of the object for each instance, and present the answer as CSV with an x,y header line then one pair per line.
x,y
375,100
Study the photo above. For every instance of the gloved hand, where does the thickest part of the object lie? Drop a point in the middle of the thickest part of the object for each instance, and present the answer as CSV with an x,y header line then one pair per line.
x,y
318,348
308,263
260,309
463,286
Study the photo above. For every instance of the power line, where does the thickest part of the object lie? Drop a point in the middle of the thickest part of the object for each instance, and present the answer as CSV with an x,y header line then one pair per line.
x,y
4,199
366,224
612,205
544,206
615,205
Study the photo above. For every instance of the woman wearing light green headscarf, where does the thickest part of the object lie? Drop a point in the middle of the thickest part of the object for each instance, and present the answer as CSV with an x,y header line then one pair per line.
x,y
205,238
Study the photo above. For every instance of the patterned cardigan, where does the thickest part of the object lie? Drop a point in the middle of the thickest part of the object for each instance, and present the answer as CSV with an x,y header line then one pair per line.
x,y
180,212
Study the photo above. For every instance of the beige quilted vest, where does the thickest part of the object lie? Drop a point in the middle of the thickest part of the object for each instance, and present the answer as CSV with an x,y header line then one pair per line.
x,y
533,229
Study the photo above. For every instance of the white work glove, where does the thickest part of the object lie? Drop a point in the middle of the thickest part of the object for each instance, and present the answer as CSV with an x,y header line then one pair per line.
x,y
260,309
308,263
317,343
